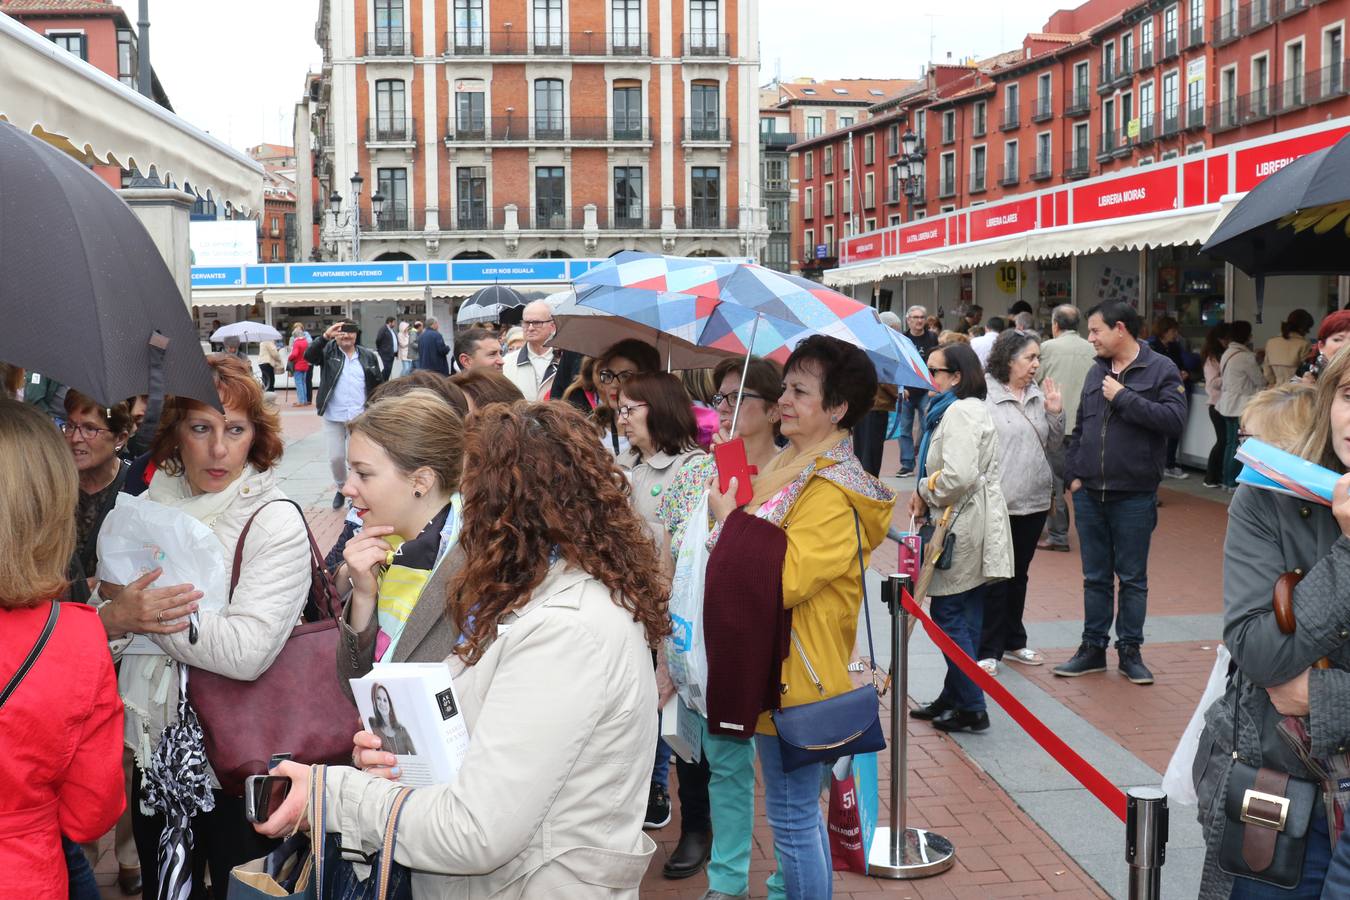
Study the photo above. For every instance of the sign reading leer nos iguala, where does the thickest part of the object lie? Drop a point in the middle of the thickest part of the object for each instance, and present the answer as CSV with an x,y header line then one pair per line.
x,y
1132,195
1002,220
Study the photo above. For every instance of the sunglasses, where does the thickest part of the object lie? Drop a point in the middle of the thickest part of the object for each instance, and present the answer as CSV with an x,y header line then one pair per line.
x,y
940,369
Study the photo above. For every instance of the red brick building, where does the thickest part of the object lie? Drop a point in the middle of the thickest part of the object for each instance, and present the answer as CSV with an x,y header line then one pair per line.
x,y
278,240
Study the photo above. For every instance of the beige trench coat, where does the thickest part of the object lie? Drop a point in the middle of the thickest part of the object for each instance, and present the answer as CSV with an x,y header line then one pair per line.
x,y
550,800
963,467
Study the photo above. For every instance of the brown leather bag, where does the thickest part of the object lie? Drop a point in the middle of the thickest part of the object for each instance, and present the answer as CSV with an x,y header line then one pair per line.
x,y
297,706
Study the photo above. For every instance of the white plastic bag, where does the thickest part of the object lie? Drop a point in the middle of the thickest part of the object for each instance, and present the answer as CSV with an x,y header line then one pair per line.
x,y
1178,782
686,653
139,535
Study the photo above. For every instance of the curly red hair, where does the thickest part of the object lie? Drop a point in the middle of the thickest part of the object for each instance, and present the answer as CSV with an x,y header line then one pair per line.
x,y
238,388
541,481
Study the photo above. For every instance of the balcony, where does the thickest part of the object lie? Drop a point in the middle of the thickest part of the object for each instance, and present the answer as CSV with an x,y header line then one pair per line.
x,y
1042,110
470,42
1011,119
978,183
1326,83
707,43
1257,15
1254,107
980,127
1115,72
1107,144
1080,104
948,136
1171,123
1288,8
1226,29
387,43
946,187
1076,163
1043,170
869,199
1169,47
1007,175
1195,118
1124,144
778,140
706,216
394,218
1291,95
705,130
526,129
1148,129
1146,59
391,132
1224,115
549,217
1193,37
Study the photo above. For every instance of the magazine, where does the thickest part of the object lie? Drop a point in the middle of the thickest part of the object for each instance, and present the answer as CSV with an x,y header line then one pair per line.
x,y
1273,469
413,709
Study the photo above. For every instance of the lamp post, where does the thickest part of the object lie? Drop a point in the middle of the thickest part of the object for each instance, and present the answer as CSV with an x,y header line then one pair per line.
x,y
910,170
353,217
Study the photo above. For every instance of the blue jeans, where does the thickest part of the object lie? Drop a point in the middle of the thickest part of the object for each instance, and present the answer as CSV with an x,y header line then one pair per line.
x,y
79,872
731,796
407,367
961,616
661,765
301,388
1113,536
909,410
801,842
1319,865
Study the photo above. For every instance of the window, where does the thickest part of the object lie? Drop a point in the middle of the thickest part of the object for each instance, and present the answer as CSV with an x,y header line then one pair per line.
x,y
393,184
829,241
814,126
893,219
1012,103
628,111
73,43
809,204
1126,111
1170,84
1080,85
892,184
626,25
1260,85
628,197
978,158
809,245
390,122
981,119
827,199
775,174
1146,42
471,197
1169,31
704,106
846,153
948,126
778,215
1108,125
1147,108
1195,22
1127,52
893,140
921,127
706,184
808,165
548,25
1109,61
1293,74
548,108
470,110
1228,89
768,125
703,37
1080,146
869,149
947,175
1010,173
468,34
126,58
550,197
827,160
848,196
1333,61
389,34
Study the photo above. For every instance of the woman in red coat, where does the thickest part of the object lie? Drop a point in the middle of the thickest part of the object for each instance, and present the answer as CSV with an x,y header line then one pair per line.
x,y
61,725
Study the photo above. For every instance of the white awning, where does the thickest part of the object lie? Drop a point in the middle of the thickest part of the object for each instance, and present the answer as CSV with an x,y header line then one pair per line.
x,y
94,117
1191,226
225,297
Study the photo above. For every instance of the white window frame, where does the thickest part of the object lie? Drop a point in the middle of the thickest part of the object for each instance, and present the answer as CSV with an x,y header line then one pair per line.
x,y
809,166
1302,74
1228,98
869,191
1148,112
1049,141
827,238
1146,161
1073,95
1190,11
869,225
1048,81
1169,155
946,208
1082,128
827,199
1325,47
820,126
1014,146
809,239
1162,95
809,203
1109,54
920,214
948,155
1198,147
892,220
980,110
1148,43
948,126
1262,57
970,168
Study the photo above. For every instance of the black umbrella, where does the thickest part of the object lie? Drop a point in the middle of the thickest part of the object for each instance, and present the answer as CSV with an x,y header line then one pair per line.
x,y
487,305
1296,222
86,297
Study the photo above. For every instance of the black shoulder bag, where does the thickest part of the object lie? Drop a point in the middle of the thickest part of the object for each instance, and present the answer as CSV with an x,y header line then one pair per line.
x,y
1265,834
33,654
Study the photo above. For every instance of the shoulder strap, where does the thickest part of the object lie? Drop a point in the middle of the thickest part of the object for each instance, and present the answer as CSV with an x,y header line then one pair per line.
x,y
331,605
862,577
33,654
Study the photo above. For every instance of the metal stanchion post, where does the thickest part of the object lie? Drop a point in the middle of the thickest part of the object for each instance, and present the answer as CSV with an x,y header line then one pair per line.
x,y
899,851
1145,841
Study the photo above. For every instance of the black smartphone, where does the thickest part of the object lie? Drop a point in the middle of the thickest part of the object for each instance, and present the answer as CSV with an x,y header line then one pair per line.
x,y
263,795
349,327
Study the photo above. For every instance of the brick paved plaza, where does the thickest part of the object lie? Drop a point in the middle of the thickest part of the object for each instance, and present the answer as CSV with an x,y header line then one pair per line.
x,y
1022,828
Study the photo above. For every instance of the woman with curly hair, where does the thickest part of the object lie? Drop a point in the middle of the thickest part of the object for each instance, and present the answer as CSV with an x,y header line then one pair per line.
x,y
560,602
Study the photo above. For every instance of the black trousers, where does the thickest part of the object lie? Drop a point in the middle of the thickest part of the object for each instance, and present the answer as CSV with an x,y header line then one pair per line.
x,y
222,839
269,377
1005,601
695,812
1214,465
869,440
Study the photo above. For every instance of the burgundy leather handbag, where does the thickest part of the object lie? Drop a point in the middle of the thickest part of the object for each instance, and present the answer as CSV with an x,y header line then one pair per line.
x,y
297,706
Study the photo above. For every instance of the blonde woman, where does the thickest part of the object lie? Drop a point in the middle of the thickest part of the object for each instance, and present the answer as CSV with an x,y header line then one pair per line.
x,y
1280,416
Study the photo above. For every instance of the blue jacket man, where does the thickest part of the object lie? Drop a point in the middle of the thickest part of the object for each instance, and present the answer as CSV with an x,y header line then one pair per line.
x,y
432,351
1133,402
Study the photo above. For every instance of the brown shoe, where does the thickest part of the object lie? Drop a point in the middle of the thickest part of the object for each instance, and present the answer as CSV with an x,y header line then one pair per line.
x,y
129,880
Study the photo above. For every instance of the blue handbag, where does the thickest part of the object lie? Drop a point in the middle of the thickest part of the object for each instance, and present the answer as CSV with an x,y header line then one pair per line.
x,y
842,725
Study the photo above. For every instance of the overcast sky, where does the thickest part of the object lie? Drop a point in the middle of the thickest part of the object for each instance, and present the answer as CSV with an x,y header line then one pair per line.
x,y
237,69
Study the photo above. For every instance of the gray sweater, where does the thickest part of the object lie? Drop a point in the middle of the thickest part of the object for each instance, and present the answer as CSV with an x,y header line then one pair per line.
x,y
1027,434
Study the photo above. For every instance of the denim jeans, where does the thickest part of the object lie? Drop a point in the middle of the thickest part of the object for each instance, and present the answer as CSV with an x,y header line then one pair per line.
x,y
301,388
80,874
407,367
661,765
801,842
731,797
1113,536
909,411
1326,873
961,616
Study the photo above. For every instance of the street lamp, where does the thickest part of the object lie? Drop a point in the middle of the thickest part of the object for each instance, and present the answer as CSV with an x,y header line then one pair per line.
x,y
910,169
353,217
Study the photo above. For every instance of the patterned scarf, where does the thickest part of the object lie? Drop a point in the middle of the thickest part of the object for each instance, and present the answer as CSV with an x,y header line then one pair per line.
x,y
409,568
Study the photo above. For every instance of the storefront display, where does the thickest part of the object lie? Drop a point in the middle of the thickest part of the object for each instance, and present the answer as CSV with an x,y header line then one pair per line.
x,y
1188,287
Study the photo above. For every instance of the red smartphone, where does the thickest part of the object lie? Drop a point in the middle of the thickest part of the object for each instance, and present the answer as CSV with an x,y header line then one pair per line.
x,y
731,463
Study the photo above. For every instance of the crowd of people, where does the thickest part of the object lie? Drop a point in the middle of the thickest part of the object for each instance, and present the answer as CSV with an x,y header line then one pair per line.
x,y
525,518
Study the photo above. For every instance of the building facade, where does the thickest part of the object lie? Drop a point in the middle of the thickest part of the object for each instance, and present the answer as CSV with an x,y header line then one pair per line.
x,y
278,232
496,129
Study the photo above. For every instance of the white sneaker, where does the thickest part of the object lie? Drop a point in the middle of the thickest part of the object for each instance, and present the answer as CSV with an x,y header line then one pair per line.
x,y
990,666
1176,472
1026,656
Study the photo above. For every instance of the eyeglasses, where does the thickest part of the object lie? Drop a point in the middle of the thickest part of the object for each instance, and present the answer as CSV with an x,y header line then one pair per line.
x,y
940,369
627,410
608,377
719,399
535,323
88,432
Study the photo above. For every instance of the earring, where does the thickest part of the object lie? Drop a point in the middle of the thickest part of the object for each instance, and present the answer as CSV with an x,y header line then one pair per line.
x,y
834,420
417,494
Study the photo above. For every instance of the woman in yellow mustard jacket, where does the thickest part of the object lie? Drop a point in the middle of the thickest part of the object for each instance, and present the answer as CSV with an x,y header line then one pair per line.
x,y
826,512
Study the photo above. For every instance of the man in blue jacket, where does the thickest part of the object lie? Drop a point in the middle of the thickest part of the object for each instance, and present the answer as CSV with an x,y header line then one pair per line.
x,y
432,349
1133,401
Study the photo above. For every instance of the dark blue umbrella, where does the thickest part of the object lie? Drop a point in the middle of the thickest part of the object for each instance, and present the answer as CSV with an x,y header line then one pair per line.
x,y
86,297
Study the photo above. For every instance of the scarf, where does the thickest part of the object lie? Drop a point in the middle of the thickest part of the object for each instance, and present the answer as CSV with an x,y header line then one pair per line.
x,y
787,467
177,491
937,407
409,568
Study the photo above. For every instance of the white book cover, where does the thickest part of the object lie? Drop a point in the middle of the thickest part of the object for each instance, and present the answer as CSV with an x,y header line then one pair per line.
x,y
413,709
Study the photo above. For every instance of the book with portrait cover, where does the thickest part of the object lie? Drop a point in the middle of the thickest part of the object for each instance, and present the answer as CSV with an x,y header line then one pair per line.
x,y
413,709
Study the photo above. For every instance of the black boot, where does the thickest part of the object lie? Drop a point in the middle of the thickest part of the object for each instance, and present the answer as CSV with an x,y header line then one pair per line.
x,y
689,856
1132,664
1089,658
962,720
931,711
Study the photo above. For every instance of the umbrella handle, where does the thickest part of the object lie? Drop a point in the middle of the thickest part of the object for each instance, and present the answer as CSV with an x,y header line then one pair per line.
x,y
1282,601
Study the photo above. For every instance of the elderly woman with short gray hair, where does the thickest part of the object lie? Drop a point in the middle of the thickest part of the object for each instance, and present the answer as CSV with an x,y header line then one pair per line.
x,y
1030,424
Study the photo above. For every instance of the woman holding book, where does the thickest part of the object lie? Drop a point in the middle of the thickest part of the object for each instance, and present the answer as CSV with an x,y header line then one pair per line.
x,y
1270,533
560,602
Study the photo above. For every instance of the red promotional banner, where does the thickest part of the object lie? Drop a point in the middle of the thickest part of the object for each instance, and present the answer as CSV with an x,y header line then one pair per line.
x,y
923,236
1132,195
1256,164
1003,219
861,248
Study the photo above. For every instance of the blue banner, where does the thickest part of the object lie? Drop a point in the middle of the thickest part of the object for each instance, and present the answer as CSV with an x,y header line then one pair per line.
x,y
217,276
509,270
349,273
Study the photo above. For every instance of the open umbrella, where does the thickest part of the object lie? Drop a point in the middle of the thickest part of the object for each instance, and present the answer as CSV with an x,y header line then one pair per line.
x,y
246,333
487,304
86,296
1296,222
590,332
